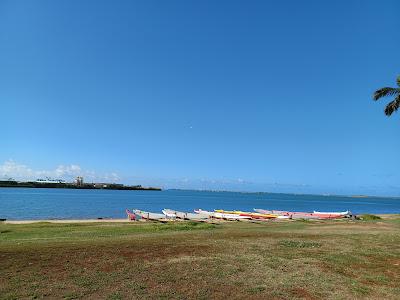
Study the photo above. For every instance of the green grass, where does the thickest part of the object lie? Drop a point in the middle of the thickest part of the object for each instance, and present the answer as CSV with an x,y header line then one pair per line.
x,y
184,260
87,231
299,244
368,217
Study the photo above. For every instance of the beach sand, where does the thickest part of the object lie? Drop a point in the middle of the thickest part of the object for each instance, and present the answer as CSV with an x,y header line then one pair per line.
x,y
67,221
383,216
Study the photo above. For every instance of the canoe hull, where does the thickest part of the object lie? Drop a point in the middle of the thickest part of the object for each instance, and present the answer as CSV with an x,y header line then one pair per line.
x,y
184,215
305,215
149,215
248,214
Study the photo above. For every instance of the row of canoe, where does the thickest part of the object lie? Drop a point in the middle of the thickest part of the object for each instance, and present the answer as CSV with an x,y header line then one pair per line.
x,y
258,214
306,215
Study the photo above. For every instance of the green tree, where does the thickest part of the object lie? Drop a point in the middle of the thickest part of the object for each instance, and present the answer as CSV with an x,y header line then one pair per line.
x,y
389,92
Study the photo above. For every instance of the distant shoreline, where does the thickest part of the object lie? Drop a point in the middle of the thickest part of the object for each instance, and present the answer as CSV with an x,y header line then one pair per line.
x,y
286,193
84,186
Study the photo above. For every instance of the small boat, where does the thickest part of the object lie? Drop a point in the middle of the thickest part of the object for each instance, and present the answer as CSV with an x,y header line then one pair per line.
x,y
292,214
225,216
276,212
302,215
131,215
169,213
184,215
204,212
341,213
149,215
219,215
249,214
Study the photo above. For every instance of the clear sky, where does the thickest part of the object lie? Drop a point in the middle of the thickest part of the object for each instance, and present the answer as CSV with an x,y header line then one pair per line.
x,y
239,95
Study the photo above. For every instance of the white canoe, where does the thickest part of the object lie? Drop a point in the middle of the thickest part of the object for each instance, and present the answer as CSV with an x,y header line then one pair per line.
x,y
149,215
169,213
184,215
286,213
289,215
204,212
339,213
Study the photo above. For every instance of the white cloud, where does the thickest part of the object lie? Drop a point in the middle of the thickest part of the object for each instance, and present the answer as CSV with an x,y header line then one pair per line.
x,y
72,170
18,171
12,169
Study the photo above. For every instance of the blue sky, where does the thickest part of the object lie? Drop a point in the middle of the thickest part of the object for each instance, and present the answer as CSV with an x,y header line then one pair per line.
x,y
239,95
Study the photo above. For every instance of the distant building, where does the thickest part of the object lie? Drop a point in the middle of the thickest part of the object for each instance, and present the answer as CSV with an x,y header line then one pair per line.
x,y
79,181
103,185
49,180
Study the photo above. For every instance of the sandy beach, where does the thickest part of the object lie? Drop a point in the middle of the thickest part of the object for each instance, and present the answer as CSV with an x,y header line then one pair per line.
x,y
69,221
66,221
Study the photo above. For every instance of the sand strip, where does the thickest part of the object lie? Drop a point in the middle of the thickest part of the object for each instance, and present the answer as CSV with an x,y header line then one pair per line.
x,y
66,221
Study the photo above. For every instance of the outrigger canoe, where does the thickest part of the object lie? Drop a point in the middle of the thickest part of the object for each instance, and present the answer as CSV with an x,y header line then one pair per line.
x,y
184,215
204,212
305,215
149,215
219,215
290,215
226,216
249,214
342,213
169,213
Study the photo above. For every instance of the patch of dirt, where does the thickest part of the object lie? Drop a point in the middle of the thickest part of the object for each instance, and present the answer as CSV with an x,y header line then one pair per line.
x,y
302,293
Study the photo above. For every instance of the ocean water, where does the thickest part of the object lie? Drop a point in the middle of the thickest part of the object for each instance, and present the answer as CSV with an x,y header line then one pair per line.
x,y
29,203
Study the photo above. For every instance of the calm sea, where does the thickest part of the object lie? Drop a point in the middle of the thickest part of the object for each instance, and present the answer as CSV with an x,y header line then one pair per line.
x,y
28,203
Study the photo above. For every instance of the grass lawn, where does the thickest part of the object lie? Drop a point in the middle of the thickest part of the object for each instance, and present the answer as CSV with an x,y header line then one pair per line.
x,y
232,260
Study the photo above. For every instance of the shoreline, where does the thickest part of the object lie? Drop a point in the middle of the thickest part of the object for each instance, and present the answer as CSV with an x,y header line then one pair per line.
x,y
92,186
126,220
65,221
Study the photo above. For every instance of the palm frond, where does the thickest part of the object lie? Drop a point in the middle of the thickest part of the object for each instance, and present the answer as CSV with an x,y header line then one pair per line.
x,y
386,91
398,81
392,106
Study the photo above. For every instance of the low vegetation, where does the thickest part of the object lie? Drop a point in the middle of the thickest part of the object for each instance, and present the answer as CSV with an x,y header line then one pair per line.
x,y
368,217
272,260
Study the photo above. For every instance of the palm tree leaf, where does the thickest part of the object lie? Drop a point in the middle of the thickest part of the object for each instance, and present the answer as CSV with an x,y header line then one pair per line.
x,y
386,91
398,80
392,106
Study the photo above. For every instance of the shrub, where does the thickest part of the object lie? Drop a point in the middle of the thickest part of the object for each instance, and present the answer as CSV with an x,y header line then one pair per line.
x,y
368,217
